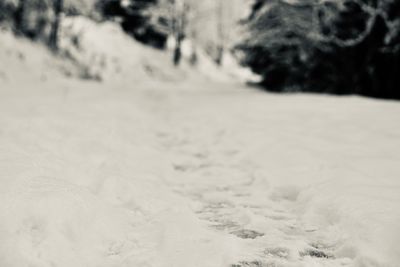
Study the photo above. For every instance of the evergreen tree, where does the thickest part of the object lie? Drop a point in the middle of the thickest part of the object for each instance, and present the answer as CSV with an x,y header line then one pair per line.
x,y
349,46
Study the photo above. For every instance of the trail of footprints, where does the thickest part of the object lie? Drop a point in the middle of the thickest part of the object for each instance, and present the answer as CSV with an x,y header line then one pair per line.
x,y
222,216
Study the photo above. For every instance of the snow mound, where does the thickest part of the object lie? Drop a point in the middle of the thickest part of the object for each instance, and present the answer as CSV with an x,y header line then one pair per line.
x,y
106,53
359,216
22,61
78,235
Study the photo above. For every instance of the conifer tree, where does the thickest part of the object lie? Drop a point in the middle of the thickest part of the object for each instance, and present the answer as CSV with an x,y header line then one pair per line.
x,y
349,46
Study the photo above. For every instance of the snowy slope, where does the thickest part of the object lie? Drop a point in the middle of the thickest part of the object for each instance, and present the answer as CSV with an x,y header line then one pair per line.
x,y
106,53
22,61
133,172
110,55
100,52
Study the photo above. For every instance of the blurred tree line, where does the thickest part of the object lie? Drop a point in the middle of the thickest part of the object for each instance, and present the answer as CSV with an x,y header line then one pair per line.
x,y
332,46
148,21
153,22
40,20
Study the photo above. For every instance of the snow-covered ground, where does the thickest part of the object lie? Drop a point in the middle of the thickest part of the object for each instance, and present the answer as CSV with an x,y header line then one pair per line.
x,y
152,172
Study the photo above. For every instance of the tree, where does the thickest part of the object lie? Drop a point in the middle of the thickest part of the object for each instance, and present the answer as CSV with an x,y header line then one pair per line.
x,y
349,46
221,32
32,19
277,46
40,19
53,39
7,11
19,17
179,25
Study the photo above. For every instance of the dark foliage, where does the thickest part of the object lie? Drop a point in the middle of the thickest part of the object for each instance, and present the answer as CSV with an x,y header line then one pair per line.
x,y
36,19
135,20
331,47
7,11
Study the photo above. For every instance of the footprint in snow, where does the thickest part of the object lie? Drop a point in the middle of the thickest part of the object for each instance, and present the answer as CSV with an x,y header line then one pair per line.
x,y
247,234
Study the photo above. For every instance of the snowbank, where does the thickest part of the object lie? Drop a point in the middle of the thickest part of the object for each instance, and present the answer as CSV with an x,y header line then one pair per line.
x,y
23,62
107,53
82,184
359,217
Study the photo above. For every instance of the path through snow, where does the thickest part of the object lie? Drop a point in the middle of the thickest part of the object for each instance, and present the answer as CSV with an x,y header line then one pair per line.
x,y
211,134
196,175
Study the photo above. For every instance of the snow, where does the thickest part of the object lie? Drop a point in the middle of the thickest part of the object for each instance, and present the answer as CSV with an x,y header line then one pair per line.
x,y
19,55
147,170
104,52
108,54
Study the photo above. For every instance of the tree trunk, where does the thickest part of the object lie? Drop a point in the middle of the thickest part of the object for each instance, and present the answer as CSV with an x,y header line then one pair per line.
x,y
53,39
221,33
179,26
19,18
177,51
193,57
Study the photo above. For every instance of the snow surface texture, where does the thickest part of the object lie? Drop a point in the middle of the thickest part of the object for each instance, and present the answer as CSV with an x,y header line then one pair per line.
x,y
152,173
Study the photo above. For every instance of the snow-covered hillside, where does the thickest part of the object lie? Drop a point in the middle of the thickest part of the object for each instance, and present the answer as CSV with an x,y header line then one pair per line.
x,y
103,52
146,168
